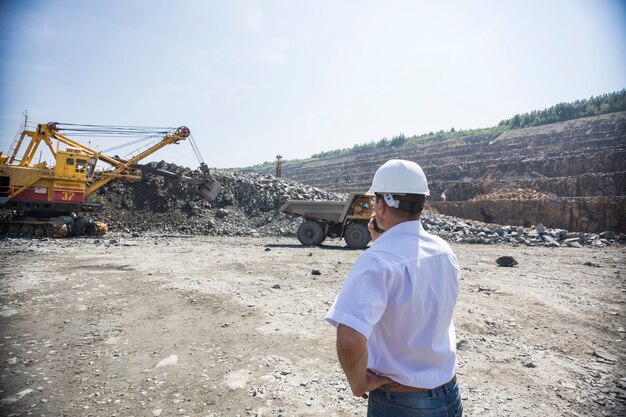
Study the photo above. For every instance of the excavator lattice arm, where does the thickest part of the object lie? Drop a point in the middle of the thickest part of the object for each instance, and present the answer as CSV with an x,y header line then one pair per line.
x,y
124,169
50,134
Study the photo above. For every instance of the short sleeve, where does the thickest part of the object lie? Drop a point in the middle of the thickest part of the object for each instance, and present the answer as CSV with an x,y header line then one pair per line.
x,y
362,299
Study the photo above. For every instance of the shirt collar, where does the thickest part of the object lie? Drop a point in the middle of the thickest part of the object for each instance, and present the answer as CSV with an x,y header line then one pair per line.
x,y
411,227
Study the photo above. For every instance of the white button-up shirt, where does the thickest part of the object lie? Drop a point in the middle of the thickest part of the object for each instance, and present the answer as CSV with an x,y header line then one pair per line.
x,y
401,294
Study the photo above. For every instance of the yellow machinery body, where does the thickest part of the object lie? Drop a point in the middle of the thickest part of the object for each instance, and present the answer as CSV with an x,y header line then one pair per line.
x,y
69,186
39,187
29,187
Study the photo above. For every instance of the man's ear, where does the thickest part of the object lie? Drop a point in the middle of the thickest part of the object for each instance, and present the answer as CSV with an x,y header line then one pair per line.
x,y
382,206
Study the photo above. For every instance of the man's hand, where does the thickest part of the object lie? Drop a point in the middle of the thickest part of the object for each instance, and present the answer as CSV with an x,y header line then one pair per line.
x,y
374,382
370,226
352,353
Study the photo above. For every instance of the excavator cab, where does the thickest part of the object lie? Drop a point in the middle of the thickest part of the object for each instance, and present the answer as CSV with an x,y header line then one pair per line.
x,y
73,163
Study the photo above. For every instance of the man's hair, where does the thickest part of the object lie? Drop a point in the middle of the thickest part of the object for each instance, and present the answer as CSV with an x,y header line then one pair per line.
x,y
411,205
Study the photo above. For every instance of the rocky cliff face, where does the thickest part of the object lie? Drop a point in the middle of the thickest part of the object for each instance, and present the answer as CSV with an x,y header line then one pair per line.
x,y
582,214
581,158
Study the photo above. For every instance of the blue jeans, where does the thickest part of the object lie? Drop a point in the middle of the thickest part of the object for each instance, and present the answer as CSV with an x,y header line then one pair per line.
x,y
441,402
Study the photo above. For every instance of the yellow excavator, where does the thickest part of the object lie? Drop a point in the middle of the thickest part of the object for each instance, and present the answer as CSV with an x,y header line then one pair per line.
x,y
57,201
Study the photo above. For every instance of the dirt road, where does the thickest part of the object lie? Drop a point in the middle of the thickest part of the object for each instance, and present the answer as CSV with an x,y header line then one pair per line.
x,y
164,326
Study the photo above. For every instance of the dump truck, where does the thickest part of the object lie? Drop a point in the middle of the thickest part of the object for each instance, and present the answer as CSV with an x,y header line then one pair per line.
x,y
336,219
58,200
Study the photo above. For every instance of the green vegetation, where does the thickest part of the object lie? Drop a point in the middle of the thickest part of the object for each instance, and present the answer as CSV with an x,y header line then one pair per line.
x,y
401,140
606,103
257,167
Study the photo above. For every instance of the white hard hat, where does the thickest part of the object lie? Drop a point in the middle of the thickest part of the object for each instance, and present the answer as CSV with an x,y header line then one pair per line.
x,y
398,176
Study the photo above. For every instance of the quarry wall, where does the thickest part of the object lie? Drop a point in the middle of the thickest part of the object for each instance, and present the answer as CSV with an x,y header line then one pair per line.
x,y
583,214
567,162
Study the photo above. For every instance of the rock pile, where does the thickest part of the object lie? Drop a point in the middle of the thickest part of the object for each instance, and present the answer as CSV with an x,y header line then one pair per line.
x,y
467,231
249,203
516,194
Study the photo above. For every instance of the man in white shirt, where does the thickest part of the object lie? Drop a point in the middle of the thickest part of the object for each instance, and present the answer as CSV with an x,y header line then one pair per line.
x,y
395,334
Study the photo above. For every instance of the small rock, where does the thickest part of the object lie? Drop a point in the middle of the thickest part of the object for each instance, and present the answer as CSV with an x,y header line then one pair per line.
x,y
268,249
276,286
171,360
589,263
23,393
316,272
548,239
571,240
506,261
607,235
221,213
598,353
530,365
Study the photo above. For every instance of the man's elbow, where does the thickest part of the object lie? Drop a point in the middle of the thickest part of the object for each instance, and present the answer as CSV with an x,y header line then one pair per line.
x,y
350,343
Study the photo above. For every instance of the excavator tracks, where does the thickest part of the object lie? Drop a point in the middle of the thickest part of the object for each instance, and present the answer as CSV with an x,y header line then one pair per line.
x,y
55,228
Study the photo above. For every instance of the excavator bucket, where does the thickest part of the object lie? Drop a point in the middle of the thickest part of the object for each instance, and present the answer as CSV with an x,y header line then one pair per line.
x,y
209,189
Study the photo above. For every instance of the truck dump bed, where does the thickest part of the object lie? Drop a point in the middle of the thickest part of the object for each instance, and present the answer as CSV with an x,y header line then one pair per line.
x,y
331,211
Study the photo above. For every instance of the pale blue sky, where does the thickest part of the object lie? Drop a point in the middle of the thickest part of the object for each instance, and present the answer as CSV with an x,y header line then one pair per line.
x,y
255,78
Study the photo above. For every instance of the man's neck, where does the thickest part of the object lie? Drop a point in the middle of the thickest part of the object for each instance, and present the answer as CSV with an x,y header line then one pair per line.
x,y
394,221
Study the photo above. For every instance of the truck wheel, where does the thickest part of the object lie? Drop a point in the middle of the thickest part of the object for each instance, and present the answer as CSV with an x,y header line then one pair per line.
x,y
310,233
357,236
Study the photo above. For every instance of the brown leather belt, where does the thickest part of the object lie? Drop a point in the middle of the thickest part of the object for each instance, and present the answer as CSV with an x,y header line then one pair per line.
x,y
397,387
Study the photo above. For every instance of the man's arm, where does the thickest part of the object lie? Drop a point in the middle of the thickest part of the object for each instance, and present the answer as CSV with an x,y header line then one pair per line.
x,y
352,353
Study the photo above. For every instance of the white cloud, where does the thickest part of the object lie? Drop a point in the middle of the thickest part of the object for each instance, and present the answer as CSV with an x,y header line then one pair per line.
x,y
252,18
275,50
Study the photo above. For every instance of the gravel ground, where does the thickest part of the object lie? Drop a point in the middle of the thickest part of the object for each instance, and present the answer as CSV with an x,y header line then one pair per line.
x,y
233,326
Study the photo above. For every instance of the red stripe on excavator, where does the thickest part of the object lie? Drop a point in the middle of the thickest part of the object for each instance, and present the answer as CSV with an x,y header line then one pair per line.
x,y
59,195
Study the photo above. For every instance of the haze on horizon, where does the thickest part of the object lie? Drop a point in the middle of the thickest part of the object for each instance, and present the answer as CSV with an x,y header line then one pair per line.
x,y
252,79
